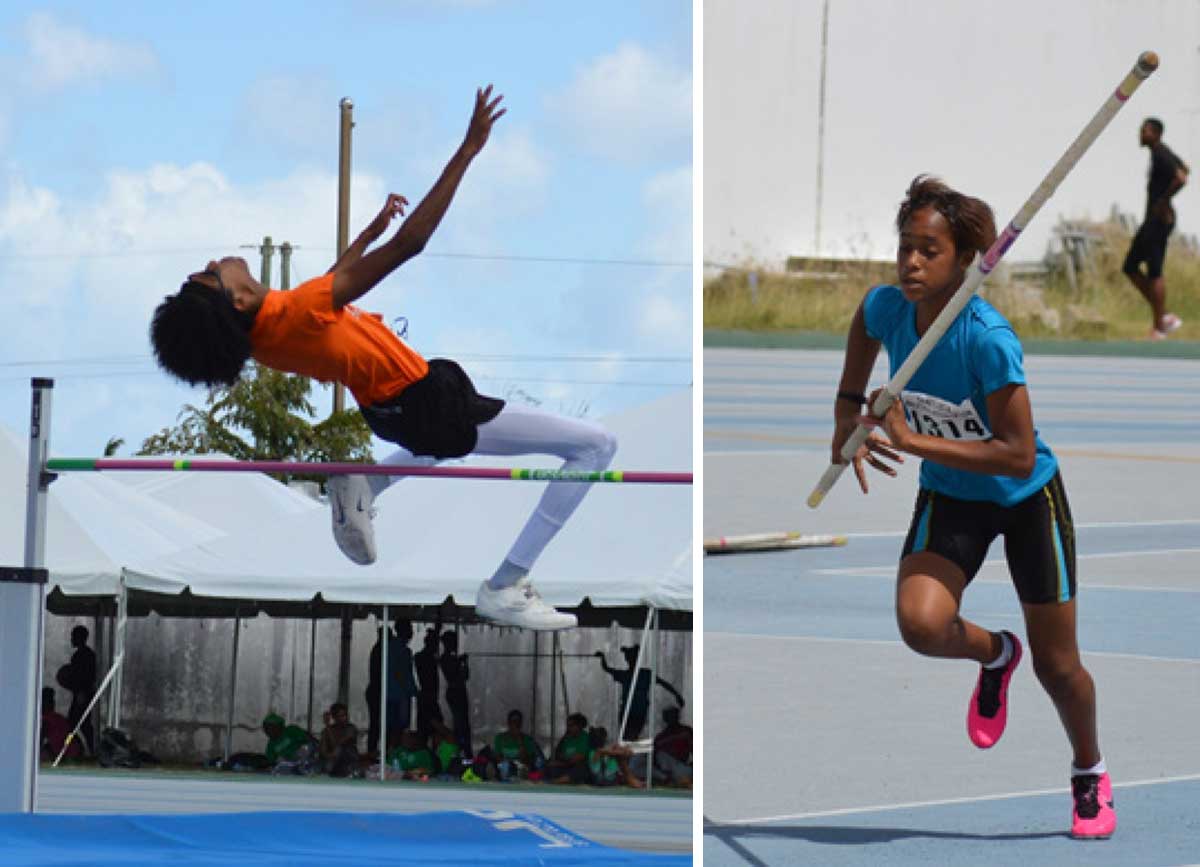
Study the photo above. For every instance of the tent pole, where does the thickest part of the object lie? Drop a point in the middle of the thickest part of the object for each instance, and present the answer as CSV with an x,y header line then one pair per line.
x,y
312,663
653,683
117,648
533,703
633,676
237,635
553,687
383,679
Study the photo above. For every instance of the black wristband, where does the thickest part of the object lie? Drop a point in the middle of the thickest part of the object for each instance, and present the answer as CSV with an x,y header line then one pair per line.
x,y
852,396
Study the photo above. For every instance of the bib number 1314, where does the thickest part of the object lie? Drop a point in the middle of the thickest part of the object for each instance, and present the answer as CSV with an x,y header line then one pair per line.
x,y
940,418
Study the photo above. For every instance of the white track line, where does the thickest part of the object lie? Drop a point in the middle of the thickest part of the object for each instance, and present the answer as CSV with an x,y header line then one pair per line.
x,y
880,808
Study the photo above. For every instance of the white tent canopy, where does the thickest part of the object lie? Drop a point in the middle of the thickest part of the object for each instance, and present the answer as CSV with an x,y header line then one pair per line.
x,y
235,535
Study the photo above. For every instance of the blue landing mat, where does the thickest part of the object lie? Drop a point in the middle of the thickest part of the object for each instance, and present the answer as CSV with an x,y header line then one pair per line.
x,y
225,839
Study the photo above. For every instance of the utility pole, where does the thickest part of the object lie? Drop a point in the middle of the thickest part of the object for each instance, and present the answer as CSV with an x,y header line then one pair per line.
x,y
343,218
821,126
285,265
346,124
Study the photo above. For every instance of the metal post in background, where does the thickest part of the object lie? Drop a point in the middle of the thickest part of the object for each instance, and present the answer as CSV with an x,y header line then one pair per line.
x,y
383,679
237,637
119,627
821,125
346,124
285,265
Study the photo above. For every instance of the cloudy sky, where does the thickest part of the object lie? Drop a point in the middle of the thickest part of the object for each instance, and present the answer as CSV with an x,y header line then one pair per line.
x,y
987,95
138,140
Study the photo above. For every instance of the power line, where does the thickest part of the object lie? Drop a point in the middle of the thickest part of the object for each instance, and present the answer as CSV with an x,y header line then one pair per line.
x,y
594,359
487,257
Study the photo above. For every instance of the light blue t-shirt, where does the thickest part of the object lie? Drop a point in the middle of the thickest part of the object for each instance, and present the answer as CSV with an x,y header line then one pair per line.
x,y
947,397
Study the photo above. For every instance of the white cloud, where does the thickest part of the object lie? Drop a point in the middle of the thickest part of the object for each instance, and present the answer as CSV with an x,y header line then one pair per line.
x,y
61,55
629,104
667,198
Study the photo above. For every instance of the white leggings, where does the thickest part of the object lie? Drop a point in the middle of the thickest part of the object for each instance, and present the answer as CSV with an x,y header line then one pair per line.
x,y
523,430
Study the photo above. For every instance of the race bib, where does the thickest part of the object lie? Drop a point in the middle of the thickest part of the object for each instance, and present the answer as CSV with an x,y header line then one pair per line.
x,y
940,418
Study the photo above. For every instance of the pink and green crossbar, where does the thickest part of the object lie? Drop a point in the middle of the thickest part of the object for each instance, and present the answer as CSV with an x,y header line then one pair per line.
x,y
346,468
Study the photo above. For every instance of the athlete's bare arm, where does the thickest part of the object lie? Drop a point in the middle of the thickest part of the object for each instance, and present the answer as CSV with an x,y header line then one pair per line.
x,y
359,277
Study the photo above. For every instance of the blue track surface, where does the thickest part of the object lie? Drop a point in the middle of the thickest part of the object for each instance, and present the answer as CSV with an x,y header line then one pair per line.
x,y
828,742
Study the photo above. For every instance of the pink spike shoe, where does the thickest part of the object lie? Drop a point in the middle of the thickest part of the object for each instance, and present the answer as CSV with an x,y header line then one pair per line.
x,y
987,713
1093,816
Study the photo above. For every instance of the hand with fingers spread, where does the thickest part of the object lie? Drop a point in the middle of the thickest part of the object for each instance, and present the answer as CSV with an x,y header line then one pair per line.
x,y
482,118
394,207
875,448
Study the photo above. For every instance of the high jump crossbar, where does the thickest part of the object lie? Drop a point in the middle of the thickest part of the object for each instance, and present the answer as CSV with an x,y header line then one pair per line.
x,y
348,468
1147,62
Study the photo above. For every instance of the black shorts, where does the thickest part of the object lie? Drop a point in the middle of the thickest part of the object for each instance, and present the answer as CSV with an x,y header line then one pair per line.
x,y
437,415
1039,538
1149,246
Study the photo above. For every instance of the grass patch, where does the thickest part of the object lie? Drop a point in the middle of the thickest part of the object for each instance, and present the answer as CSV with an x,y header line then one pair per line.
x,y
822,295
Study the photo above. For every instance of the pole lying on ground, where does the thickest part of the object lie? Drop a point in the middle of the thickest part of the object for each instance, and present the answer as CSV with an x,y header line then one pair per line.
x,y
347,468
770,542
982,266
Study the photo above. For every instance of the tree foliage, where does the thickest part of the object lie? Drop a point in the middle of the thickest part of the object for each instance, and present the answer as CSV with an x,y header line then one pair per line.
x,y
266,415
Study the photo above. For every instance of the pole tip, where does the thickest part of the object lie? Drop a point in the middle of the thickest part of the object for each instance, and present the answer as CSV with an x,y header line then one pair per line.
x,y
1148,60
347,102
815,498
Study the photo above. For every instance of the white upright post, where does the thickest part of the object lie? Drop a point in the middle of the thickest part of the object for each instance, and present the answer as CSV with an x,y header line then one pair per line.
x,y
22,616
383,679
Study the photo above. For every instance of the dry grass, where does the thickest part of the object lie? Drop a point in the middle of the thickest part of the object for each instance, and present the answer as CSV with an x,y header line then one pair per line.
x,y
1104,306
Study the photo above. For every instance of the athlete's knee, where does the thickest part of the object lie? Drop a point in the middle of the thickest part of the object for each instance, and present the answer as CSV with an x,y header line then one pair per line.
x,y
1060,672
600,445
925,633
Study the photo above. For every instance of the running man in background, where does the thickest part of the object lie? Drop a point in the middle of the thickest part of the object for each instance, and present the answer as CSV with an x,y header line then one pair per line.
x,y
985,472
222,317
1167,176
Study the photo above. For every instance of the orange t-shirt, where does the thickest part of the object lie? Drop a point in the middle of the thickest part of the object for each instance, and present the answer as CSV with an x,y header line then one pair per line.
x,y
298,331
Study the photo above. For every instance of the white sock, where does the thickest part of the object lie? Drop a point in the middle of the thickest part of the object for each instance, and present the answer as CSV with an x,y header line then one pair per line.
x,y
1006,652
507,574
1096,769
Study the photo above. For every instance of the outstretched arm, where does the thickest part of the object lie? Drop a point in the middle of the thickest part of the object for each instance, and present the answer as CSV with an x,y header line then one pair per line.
x,y
359,277
393,208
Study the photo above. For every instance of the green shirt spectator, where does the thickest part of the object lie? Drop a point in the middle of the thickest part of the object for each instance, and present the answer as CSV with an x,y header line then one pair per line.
x,y
411,760
606,770
519,747
282,741
447,751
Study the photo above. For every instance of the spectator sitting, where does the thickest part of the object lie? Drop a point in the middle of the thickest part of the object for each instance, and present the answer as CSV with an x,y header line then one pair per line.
x,y
515,752
290,749
55,730
569,764
609,764
672,753
412,757
339,743
446,751
673,750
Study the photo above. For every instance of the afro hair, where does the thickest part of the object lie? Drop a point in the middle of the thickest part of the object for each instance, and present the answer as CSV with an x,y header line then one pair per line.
x,y
200,337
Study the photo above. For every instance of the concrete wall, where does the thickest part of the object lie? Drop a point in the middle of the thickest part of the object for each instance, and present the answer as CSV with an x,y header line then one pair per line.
x,y
176,692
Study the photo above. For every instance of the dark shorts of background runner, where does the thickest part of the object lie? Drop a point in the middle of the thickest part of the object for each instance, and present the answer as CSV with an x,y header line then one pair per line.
x,y
1039,538
437,415
1149,246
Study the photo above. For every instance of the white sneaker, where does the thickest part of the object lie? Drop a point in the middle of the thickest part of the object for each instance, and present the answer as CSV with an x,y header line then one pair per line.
x,y
520,605
350,505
